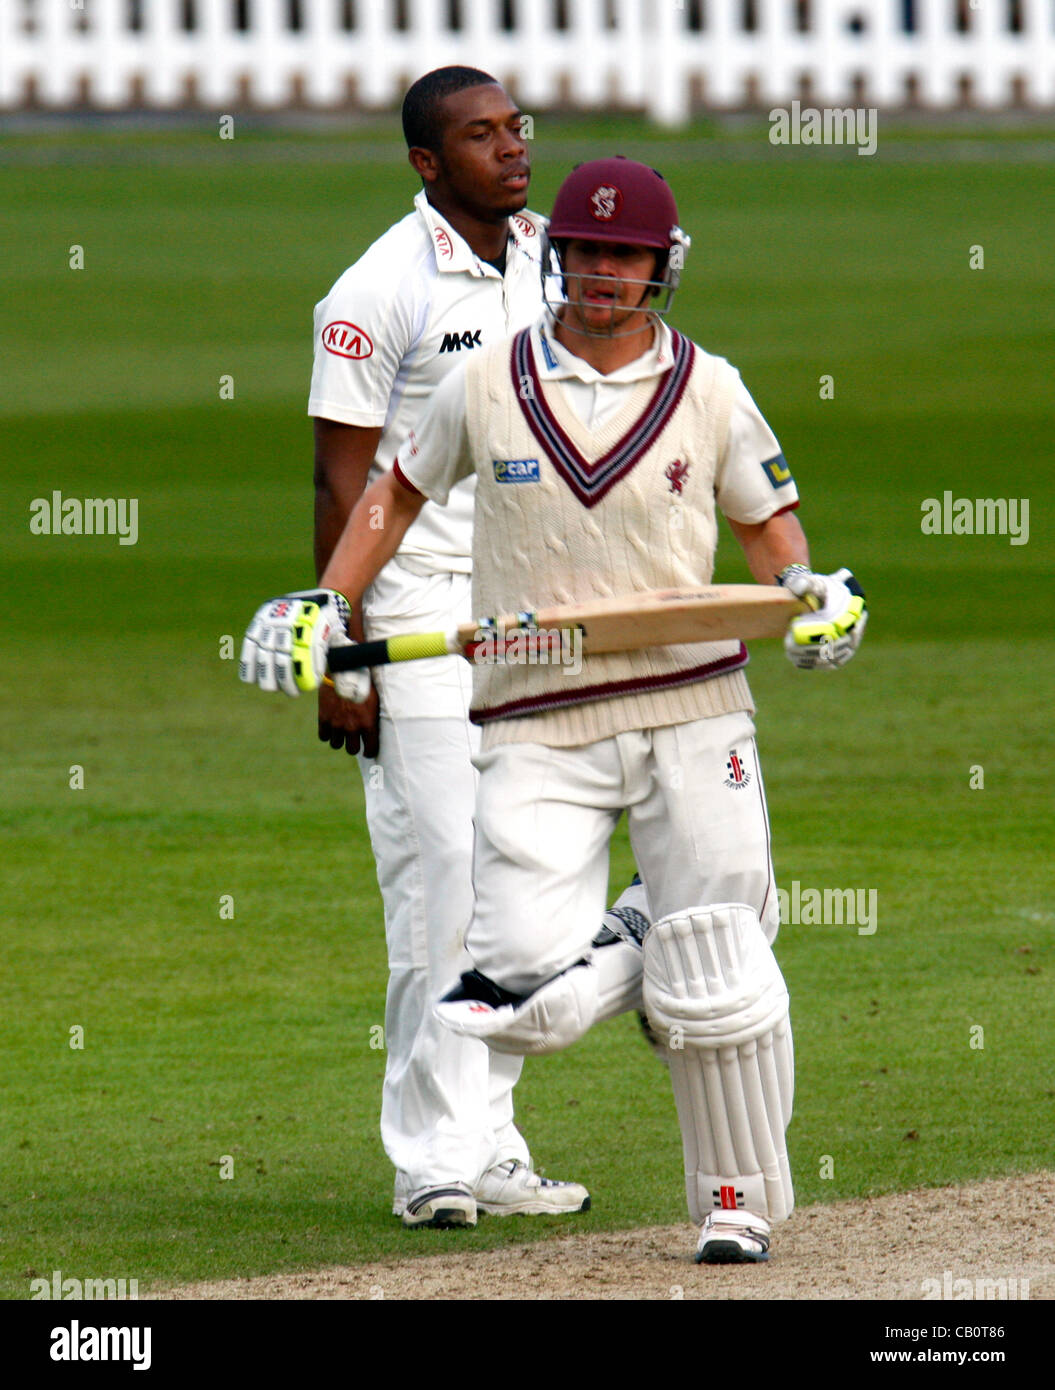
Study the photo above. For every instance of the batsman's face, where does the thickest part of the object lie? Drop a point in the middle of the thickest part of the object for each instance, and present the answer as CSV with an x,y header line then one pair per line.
x,y
483,161
607,284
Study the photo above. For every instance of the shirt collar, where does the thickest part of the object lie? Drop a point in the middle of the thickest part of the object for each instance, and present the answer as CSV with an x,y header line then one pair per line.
x,y
527,228
555,362
453,252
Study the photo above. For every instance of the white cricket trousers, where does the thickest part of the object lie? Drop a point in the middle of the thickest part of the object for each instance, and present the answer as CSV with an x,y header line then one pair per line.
x,y
698,826
447,1102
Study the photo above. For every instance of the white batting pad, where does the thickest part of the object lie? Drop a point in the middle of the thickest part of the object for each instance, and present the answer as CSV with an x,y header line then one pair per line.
x,y
715,996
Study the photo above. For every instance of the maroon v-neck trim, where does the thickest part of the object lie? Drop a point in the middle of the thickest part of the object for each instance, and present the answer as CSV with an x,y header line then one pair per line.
x,y
591,481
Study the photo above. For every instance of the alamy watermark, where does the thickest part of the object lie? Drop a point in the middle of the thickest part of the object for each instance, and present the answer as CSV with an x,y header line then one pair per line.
x,y
529,646
982,1290
80,1343
829,125
976,516
852,907
58,1287
92,516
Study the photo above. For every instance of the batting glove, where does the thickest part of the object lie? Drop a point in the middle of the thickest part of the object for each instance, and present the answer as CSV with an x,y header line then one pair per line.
x,y
287,642
830,635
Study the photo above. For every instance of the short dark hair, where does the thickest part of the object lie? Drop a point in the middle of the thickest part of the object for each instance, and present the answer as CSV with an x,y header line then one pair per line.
x,y
422,122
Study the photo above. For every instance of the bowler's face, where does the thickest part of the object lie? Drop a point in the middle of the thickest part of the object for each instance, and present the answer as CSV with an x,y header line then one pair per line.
x,y
483,156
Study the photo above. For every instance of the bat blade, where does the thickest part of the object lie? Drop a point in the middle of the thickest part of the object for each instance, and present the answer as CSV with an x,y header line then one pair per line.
x,y
656,618
659,618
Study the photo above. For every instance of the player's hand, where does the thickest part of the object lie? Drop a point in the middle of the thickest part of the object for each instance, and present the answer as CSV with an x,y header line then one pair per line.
x,y
830,635
349,724
287,643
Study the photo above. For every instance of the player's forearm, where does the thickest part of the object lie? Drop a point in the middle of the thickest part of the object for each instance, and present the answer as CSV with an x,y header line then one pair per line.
x,y
330,518
772,545
371,536
344,455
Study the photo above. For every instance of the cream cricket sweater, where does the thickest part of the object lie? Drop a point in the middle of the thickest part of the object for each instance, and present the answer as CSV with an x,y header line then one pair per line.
x,y
594,514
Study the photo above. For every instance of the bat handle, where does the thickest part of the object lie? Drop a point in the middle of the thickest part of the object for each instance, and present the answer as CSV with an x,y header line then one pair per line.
x,y
358,656
410,646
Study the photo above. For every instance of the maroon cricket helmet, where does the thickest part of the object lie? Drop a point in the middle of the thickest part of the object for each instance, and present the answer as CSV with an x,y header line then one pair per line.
x,y
615,200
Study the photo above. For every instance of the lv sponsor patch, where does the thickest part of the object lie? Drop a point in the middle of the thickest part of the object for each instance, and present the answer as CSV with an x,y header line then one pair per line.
x,y
777,471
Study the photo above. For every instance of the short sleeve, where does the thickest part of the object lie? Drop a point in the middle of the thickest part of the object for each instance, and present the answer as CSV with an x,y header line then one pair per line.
x,y
754,481
363,331
436,454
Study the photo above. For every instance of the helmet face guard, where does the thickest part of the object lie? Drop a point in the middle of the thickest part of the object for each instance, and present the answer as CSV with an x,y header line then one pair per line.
x,y
555,284
625,203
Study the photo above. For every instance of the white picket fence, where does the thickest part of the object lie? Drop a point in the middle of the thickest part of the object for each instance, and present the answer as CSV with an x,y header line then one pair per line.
x,y
667,57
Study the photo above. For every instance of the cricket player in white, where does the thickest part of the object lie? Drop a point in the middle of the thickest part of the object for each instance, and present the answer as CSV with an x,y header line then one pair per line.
x,y
459,273
626,438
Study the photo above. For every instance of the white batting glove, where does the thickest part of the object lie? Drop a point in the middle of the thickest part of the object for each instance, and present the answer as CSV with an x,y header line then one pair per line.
x,y
287,642
830,635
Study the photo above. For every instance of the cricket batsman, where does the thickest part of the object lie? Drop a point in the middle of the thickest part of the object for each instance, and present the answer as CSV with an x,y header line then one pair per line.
x,y
627,440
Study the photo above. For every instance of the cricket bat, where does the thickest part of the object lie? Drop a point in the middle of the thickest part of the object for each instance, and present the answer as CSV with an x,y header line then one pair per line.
x,y
657,618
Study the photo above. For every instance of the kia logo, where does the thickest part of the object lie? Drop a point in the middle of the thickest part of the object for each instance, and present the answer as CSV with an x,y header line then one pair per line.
x,y
346,340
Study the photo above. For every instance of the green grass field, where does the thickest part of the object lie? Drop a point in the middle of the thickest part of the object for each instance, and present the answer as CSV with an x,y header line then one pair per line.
x,y
207,1035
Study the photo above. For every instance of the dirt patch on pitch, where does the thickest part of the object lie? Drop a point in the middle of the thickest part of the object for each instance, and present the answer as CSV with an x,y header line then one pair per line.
x,y
884,1247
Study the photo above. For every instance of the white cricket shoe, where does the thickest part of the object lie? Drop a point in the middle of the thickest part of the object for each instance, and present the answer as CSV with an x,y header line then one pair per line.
x,y
733,1238
512,1189
440,1208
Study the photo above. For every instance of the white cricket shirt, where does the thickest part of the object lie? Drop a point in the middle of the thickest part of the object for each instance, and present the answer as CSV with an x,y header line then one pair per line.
x,y
755,482
393,327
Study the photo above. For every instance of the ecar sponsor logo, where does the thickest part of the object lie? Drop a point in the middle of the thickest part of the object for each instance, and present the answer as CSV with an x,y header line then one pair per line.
x,y
344,339
516,470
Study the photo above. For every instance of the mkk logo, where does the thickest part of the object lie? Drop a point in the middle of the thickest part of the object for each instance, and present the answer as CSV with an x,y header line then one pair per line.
x,y
454,342
346,340
516,470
